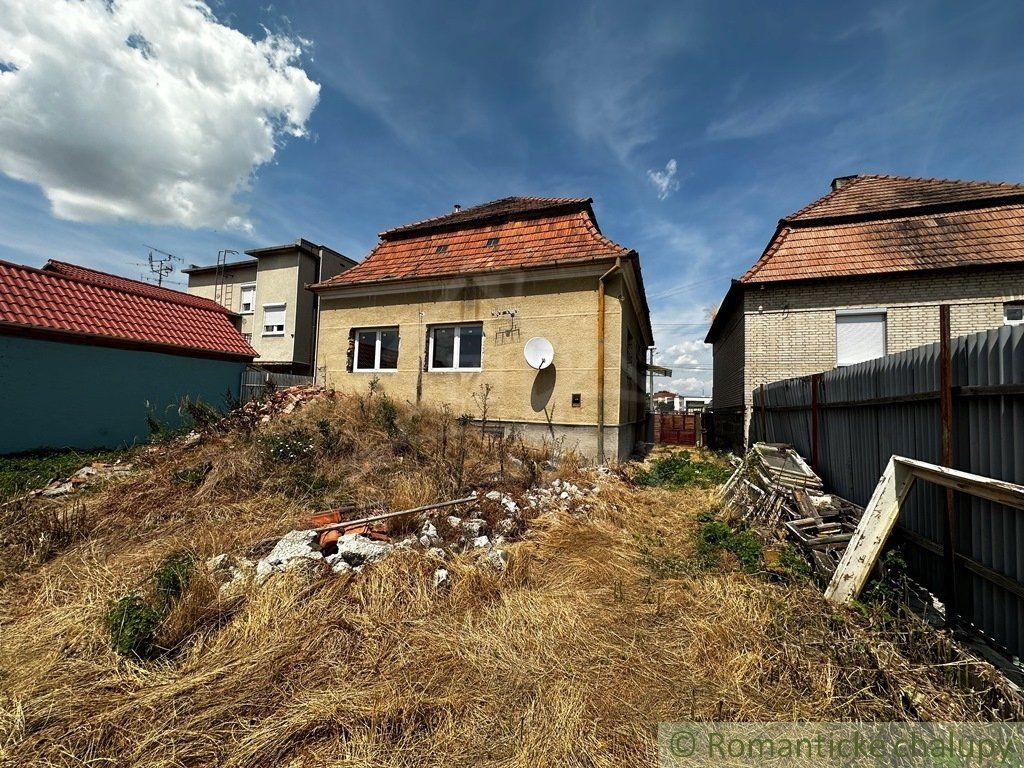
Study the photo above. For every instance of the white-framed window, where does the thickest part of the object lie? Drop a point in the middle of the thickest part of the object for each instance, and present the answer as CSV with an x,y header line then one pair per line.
x,y
860,335
247,299
376,349
1013,313
456,347
273,319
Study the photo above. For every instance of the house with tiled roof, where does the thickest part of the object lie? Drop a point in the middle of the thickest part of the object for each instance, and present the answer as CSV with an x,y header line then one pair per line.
x,y
860,273
269,290
86,357
441,310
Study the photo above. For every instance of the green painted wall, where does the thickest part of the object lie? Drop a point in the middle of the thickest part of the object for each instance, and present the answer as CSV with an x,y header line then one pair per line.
x,y
57,395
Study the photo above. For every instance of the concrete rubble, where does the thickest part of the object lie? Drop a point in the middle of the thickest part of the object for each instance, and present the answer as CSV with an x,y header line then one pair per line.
x,y
230,572
298,550
441,578
561,495
85,476
439,538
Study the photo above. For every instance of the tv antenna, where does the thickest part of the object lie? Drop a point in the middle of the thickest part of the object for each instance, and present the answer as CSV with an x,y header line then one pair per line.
x,y
161,267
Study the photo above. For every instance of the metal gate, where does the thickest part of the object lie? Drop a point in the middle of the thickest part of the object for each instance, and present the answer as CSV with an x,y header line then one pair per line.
x,y
677,428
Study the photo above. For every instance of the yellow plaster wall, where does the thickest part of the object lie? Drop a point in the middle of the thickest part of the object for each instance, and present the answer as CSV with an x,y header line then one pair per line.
x,y
563,310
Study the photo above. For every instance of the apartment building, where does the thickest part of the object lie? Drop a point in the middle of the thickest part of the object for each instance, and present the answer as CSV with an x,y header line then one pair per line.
x,y
269,291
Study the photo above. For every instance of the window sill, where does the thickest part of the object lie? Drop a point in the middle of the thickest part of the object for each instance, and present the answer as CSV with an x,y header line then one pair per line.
x,y
455,370
272,334
247,312
374,370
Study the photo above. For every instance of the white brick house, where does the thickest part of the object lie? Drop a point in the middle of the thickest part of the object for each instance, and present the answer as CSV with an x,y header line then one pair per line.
x,y
860,274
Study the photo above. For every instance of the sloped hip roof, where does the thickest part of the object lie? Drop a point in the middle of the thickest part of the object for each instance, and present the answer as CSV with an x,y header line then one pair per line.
x,y
883,225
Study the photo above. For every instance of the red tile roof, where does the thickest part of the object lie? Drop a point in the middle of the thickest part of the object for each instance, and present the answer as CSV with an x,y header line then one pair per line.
x,y
514,233
506,207
109,309
874,194
886,224
133,286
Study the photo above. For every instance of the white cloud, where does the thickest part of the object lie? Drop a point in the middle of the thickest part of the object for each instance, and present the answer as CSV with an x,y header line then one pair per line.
x,y
770,116
603,68
147,110
684,353
665,181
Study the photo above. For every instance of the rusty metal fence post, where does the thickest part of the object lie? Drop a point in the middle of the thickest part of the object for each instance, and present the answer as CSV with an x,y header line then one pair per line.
x,y
815,381
946,411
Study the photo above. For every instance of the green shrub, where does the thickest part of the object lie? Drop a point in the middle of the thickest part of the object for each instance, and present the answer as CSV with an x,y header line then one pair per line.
x,y
715,537
132,623
199,413
680,470
134,619
793,563
712,538
172,577
385,415
747,548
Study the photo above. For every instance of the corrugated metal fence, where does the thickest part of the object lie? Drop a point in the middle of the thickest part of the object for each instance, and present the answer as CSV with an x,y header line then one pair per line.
x,y
849,421
255,382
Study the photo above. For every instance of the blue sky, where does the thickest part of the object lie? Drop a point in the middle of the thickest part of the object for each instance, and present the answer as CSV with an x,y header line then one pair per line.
x,y
694,126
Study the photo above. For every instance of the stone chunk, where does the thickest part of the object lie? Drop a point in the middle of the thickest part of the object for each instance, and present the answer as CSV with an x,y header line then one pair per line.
x,y
495,558
358,550
473,527
337,563
296,550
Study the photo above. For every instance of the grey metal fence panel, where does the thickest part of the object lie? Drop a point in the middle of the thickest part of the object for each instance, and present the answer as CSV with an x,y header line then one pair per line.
x,y
255,382
856,439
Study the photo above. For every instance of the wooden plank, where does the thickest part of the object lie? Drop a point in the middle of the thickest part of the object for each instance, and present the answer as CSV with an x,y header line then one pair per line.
x,y
999,491
873,530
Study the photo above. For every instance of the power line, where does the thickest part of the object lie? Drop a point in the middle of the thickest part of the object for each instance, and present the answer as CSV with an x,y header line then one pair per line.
x,y
683,287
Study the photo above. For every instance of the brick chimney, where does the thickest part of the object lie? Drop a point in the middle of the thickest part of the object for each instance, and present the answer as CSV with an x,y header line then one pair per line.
x,y
841,181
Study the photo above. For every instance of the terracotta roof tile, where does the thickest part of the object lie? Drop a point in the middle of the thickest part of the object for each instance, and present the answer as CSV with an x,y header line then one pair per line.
x,y
109,306
872,194
506,207
134,286
531,239
883,224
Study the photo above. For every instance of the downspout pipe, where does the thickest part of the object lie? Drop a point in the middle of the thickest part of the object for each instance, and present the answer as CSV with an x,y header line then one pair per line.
x,y
600,357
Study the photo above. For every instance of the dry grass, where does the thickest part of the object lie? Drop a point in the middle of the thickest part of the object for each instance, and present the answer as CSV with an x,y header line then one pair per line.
x,y
567,658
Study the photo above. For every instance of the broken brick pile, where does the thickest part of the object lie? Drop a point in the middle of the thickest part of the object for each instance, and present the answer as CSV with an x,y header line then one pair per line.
x,y
439,536
272,404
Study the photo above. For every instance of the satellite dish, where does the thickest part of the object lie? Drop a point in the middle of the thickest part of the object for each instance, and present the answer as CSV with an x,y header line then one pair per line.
x,y
539,352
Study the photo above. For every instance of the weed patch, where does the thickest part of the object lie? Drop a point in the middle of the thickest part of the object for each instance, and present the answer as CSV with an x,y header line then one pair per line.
x,y
132,623
715,537
31,534
134,620
681,470
22,472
